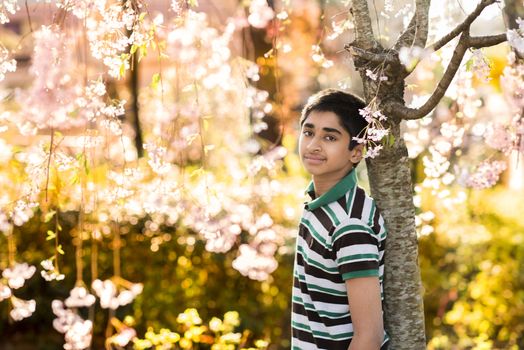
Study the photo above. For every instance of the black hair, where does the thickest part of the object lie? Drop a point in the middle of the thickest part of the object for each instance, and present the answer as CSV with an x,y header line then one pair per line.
x,y
344,104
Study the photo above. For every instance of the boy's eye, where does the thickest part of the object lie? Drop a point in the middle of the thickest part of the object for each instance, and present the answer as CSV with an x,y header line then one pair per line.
x,y
307,133
331,138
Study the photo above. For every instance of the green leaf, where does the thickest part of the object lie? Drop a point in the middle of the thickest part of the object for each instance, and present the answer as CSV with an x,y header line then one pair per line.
x,y
50,235
155,80
193,3
197,172
142,16
122,69
133,49
58,227
469,63
49,216
391,140
60,250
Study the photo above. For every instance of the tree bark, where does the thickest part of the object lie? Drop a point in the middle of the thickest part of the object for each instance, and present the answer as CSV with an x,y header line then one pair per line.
x,y
391,187
389,173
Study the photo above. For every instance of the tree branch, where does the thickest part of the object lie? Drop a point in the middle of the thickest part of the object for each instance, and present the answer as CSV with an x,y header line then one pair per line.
x,y
416,34
372,57
462,26
400,111
478,42
364,36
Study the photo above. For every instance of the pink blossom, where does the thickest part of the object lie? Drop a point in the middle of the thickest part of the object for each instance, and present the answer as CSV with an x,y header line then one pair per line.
x,y
7,7
6,64
22,308
260,13
373,151
498,136
486,174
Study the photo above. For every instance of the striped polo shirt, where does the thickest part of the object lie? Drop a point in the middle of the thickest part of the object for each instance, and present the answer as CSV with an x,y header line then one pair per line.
x,y
341,236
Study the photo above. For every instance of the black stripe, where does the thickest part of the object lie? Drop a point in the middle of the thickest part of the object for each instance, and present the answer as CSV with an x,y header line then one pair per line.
x,y
314,317
358,203
316,272
342,202
319,342
313,244
359,266
376,218
323,218
354,238
320,296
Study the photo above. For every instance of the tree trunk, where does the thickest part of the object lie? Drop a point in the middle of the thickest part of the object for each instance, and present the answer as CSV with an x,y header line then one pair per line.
x,y
391,187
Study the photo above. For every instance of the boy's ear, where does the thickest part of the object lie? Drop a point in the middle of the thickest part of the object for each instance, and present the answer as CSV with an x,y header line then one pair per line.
x,y
357,153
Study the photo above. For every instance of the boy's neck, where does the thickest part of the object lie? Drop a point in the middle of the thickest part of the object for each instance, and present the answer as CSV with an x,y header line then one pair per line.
x,y
324,184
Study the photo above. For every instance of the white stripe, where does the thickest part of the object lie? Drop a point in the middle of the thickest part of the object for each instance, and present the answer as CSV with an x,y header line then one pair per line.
x,y
313,255
357,249
338,210
320,327
337,308
366,210
302,345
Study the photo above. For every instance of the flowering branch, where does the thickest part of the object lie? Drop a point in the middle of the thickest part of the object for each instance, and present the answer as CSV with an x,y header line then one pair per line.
x,y
462,26
465,42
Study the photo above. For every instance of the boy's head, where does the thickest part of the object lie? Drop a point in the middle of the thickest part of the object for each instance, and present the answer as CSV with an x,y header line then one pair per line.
x,y
344,104
328,123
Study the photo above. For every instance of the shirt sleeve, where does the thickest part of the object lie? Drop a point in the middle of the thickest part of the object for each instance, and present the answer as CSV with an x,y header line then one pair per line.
x,y
356,250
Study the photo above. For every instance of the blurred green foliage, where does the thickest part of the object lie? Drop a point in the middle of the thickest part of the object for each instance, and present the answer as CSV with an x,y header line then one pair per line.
x,y
472,270
473,273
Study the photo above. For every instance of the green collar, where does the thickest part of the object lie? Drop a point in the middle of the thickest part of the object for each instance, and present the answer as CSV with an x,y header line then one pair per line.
x,y
334,193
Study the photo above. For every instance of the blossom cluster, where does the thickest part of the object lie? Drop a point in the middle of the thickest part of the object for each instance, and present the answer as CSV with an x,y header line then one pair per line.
x,y
7,7
375,132
77,331
6,64
486,174
516,36
260,13
14,278
114,294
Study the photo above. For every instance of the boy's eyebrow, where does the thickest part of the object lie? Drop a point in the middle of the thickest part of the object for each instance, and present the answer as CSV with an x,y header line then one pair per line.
x,y
312,126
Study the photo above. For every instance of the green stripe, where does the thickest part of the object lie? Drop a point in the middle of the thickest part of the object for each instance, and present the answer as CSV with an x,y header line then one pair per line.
x,y
332,215
351,228
351,198
314,287
371,214
362,273
313,232
305,327
311,307
316,263
357,256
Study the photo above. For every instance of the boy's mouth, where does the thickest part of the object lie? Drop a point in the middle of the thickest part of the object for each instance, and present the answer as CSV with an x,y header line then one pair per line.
x,y
313,159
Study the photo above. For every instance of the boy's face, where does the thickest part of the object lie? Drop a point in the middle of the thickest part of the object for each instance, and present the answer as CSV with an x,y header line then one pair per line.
x,y
323,147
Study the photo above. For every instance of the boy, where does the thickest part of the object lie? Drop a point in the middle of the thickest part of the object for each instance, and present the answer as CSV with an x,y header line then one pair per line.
x,y
339,263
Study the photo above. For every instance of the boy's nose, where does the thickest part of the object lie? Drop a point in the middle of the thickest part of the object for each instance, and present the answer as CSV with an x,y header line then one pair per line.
x,y
314,145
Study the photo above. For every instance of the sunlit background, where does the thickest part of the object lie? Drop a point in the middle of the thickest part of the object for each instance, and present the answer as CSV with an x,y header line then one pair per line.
x,y
150,187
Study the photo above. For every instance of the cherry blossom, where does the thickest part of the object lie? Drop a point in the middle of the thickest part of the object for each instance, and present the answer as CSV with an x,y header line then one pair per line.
x,y
50,272
77,331
5,292
7,7
516,36
79,297
260,13
486,174
6,64
111,297
18,274
21,308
